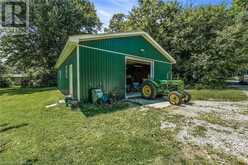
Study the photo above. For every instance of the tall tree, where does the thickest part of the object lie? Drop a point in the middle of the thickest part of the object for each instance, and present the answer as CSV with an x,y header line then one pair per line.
x,y
118,23
240,5
232,46
194,43
2,69
195,37
156,17
51,22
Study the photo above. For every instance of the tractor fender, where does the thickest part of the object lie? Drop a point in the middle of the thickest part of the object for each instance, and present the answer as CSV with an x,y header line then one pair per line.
x,y
151,82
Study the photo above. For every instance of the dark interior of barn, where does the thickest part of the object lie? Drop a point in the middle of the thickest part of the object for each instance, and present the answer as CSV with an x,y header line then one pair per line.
x,y
136,73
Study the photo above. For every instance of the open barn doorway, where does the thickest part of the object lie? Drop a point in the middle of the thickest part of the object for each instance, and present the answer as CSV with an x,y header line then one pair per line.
x,y
137,70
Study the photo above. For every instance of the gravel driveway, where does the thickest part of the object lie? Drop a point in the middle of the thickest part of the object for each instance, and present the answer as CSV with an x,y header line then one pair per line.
x,y
222,126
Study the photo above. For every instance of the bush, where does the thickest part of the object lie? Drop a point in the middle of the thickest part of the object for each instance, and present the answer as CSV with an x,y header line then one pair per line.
x,y
5,83
25,83
39,80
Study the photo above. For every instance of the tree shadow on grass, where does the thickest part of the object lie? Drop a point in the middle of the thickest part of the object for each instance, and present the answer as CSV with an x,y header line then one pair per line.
x,y
30,161
7,127
91,110
21,91
4,124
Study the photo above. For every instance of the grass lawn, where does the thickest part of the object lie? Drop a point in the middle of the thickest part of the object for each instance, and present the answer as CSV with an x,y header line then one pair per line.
x,y
33,134
218,95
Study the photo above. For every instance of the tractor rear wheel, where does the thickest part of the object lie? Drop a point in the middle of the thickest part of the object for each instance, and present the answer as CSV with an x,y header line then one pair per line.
x,y
187,97
149,90
175,98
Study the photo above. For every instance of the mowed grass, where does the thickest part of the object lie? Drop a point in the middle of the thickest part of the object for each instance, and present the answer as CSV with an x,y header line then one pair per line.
x,y
33,134
218,95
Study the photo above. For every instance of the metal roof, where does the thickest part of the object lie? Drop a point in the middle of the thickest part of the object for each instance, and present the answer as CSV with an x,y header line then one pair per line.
x,y
73,41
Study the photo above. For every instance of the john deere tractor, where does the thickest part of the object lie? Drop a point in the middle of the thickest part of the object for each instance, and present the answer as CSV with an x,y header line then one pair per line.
x,y
173,89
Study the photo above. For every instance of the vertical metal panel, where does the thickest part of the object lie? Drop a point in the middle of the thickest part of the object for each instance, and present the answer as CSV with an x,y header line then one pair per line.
x,y
101,70
63,82
162,71
135,45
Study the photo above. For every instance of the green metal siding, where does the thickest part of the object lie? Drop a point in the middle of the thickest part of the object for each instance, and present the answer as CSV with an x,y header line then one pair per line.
x,y
100,69
63,81
106,70
162,71
128,45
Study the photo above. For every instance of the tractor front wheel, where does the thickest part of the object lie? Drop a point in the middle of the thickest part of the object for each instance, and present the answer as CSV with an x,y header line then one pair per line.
x,y
149,90
175,98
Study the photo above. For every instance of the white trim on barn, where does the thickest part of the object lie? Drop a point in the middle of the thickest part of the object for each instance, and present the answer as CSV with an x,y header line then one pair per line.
x,y
71,80
78,74
74,40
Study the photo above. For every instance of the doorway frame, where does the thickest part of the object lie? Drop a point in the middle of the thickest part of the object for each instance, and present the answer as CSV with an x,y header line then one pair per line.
x,y
151,62
71,80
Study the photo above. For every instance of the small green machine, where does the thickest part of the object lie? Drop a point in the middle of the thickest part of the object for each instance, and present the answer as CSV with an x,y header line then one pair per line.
x,y
173,89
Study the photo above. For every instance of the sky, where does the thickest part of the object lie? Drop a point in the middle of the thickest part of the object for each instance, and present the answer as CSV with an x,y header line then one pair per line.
x,y
106,8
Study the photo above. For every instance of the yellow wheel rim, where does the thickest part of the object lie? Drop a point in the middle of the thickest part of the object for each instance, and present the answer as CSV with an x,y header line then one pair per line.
x,y
174,99
147,91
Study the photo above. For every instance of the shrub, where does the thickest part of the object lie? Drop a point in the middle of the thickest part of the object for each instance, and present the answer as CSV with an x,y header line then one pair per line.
x,y
5,83
39,80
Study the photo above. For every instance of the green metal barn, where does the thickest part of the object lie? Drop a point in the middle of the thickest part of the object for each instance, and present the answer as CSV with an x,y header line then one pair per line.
x,y
113,62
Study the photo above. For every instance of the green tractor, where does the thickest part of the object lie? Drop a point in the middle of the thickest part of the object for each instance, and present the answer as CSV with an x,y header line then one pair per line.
x,y
173,89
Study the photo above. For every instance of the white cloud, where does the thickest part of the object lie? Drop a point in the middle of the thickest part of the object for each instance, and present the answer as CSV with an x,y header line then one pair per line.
x,y
107,8
105,13
105,16
127,3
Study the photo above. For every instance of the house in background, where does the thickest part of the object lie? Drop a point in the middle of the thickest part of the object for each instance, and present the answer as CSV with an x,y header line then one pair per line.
x,y
244,77
15,78
113,62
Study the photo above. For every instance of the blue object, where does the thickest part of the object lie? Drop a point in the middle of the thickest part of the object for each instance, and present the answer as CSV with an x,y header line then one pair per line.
x,y
105,98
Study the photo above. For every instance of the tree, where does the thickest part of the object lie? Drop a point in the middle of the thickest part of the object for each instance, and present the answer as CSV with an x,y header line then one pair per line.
x,y
240,5
5,81
118,23
51,22
157,18
194,44
197,37
232,46
2,69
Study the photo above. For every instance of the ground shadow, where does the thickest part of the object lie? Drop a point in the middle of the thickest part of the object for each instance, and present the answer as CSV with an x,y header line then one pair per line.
x,y
4,124
21,91
8,127
142,101
30,161
90,110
